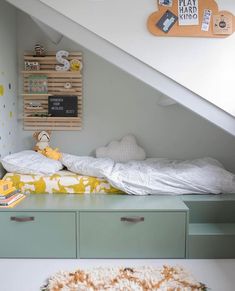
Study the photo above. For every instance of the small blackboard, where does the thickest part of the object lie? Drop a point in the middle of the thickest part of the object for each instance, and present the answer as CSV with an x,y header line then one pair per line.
x,y
63,106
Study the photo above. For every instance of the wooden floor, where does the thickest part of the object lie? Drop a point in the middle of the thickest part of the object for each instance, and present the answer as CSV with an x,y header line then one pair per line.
x,y
29,275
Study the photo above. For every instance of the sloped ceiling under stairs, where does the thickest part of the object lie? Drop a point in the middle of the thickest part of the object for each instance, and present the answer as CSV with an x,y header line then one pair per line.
x,y
197,73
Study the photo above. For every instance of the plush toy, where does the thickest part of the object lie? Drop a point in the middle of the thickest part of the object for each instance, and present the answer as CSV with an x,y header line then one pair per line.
x,y
123,151
42,146
42,138
51,154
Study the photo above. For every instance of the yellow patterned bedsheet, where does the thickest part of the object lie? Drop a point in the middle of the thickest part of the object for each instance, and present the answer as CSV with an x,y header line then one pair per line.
x,y
63,182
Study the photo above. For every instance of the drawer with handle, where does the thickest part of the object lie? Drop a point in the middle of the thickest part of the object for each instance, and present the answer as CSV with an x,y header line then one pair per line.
x,y
38,235
132,234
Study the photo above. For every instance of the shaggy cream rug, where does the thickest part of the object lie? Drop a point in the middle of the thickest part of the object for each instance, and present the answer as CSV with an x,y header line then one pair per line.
x,y
166,278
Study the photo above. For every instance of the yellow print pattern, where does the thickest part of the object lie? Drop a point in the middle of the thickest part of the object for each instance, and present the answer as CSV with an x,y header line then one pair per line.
x,y
63,182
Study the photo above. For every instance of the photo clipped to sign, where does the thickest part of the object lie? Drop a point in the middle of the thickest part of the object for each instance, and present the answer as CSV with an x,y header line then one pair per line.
x,y
167,21
206,20
167,3
188,12
223,23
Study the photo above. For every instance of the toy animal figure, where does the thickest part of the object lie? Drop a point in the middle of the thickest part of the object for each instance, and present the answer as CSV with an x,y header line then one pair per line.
x,y
52,154
39,50
42,146
42,138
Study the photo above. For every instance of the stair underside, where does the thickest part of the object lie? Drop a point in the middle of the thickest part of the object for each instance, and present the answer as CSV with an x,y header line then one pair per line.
x,y
126,62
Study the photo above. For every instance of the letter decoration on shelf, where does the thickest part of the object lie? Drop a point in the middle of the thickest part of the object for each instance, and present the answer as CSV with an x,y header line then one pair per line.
x,y
191,18
60,59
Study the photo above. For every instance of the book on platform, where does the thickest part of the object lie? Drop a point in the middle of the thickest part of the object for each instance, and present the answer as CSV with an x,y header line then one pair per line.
x,y
12,199
12,193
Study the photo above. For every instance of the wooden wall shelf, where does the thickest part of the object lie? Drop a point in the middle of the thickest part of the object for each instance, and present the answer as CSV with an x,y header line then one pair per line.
x,y
52,123
54,73
55,82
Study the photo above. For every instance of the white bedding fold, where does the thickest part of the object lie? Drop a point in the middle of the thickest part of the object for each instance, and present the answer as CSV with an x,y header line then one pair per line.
x,y
164,176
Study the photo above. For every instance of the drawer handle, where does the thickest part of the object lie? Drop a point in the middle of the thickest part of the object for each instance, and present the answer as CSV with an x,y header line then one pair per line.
x,y
22,219
133,219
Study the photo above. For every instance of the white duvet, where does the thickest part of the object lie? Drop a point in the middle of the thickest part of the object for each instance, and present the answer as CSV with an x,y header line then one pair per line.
x,y
164,176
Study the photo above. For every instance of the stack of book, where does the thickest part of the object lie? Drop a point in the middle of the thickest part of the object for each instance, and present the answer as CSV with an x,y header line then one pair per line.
x,y
9,196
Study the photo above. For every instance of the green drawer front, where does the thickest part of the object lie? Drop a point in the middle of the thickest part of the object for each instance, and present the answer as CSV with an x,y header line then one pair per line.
x,y
160,235
212,247
48,235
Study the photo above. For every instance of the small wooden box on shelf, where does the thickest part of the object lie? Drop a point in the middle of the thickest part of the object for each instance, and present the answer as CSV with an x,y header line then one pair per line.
x,y
36,104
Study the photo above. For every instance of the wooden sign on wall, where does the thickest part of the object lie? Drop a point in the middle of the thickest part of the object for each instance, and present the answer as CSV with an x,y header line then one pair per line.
x,y
193,18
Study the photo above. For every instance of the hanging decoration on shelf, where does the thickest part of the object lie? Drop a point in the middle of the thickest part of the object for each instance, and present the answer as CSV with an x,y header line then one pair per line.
x,y
60,57
68,88
75,65
195,18
68,85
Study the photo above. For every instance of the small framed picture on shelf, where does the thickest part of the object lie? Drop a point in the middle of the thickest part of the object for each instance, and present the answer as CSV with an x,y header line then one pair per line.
x,y
31,66
37,84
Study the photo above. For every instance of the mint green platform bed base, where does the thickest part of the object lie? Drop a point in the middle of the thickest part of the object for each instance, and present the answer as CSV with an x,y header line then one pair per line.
x,y
119,226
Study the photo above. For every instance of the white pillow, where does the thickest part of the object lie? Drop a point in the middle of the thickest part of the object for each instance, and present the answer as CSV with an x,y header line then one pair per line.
x,y
87,166
124,150
30,162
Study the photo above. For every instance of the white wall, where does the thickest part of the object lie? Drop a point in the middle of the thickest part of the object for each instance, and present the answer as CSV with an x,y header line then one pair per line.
x,y
115,103
205,66
8,80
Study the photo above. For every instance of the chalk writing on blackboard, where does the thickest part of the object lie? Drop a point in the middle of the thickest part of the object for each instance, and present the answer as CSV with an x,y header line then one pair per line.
x,y
63,106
